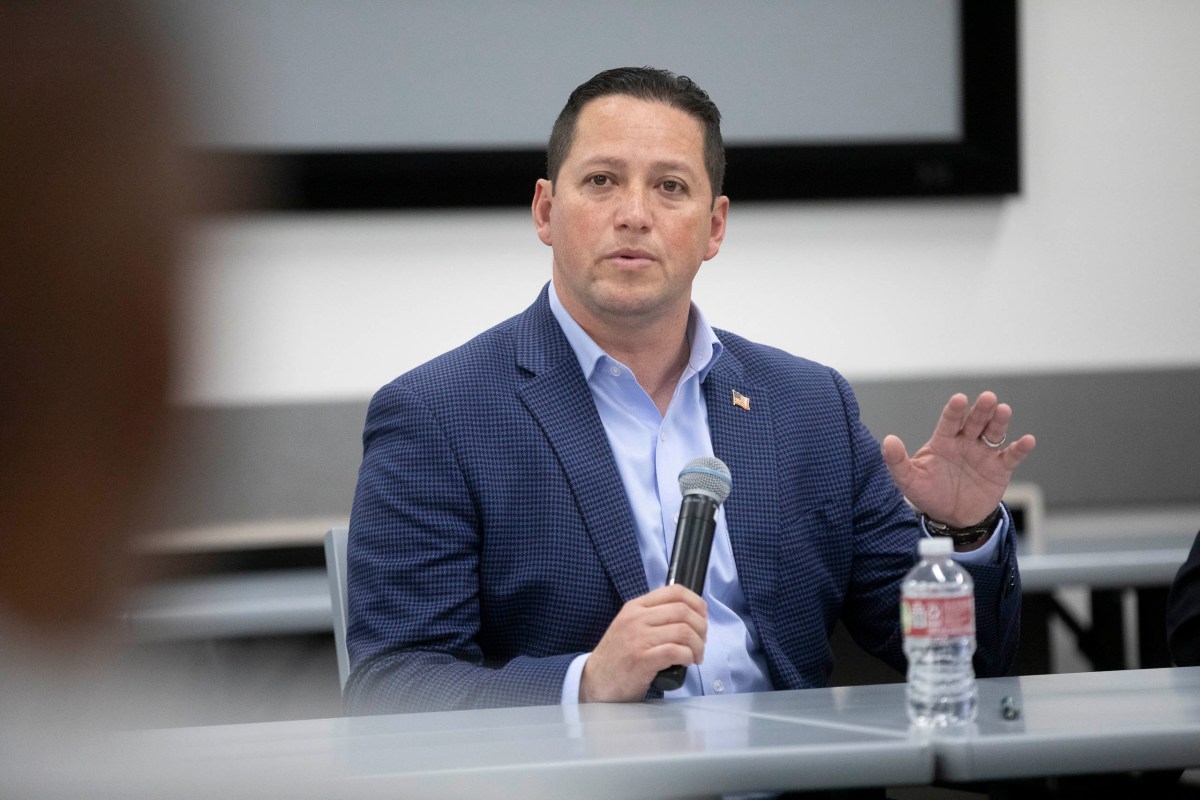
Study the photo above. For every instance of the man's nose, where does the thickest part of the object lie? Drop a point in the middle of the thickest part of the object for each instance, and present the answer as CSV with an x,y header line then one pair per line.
x,y
633,210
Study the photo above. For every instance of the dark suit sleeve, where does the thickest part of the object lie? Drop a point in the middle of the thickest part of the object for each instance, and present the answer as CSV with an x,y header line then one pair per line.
x,y
997,609
884,541
413,577
1183,611
885,549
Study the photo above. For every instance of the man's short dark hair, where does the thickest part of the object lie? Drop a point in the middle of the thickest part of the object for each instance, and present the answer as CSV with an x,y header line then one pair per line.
x,y
642,83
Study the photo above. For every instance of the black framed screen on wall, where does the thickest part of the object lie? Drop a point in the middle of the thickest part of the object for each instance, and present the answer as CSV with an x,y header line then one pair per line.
x,y
362,104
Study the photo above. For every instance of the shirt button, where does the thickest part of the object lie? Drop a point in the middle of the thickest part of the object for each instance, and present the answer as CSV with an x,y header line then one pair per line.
x,y
662,436
614,371
718,686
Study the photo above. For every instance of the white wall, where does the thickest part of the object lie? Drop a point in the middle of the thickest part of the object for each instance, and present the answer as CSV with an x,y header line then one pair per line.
x,y
1096,265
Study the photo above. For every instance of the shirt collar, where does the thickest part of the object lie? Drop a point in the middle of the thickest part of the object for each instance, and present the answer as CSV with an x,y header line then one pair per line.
x,y
706,347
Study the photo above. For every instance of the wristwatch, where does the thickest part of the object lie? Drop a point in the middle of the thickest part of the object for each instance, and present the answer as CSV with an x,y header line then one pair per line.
x,y
963,536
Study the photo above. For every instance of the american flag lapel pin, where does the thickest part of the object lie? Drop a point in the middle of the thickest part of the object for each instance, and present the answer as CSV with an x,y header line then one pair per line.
x,y
740,400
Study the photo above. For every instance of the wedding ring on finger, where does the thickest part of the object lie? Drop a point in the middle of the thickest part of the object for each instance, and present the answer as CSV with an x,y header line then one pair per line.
x,y
991,444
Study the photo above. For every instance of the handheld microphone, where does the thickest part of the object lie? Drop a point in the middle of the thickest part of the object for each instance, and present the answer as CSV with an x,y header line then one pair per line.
x,y
705,483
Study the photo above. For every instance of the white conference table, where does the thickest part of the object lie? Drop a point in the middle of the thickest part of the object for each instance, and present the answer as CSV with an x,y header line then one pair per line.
x,y
820,738
1089,722
1069,723
642,750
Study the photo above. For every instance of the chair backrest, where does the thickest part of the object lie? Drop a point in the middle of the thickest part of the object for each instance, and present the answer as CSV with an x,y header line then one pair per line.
x,y
335,568
1028,511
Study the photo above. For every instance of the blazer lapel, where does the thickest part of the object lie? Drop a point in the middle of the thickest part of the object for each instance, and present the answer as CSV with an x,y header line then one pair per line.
x,y
743,439
558,397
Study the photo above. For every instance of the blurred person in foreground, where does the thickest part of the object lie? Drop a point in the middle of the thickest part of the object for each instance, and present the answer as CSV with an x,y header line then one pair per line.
x,y
91,195
91,209
94,199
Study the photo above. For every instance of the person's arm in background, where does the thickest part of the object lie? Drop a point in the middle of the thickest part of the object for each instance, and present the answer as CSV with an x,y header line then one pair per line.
x,y
1183,611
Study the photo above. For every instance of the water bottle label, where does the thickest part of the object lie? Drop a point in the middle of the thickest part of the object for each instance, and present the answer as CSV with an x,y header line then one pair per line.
x,y
937,617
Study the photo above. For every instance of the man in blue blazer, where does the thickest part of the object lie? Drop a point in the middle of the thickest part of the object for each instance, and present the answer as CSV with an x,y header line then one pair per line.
x,y
513,513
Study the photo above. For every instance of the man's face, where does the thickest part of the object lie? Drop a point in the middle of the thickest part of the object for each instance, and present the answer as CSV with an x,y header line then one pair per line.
x,y
631,215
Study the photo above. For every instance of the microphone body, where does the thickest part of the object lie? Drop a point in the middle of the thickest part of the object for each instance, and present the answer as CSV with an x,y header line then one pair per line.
x,y
693,542
705,483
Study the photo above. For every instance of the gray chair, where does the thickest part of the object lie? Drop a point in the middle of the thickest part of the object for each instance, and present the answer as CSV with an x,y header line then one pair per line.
x,y
335,567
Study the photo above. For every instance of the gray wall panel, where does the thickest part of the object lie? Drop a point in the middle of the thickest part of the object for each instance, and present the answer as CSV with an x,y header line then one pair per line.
x,y
1104,439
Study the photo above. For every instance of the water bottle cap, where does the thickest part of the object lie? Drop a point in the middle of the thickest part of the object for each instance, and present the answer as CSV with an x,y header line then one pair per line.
x,y
936,546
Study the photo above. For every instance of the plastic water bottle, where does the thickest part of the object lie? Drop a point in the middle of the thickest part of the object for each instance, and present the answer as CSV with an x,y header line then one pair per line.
x,y
937,615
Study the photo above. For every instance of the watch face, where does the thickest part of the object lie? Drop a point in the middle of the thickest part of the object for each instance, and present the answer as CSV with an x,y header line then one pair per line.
x,y
935,527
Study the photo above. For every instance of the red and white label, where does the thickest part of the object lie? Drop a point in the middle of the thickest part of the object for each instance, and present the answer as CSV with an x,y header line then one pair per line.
x,y
937,617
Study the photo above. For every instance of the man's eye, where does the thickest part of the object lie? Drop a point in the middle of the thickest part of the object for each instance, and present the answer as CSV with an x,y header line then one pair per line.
x,y
598,180
672,187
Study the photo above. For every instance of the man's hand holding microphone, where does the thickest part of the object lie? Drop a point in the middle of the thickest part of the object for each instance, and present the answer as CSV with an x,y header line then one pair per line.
x,y
656,637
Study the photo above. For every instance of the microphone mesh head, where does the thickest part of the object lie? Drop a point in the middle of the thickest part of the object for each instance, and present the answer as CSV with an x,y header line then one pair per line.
x,y
706,475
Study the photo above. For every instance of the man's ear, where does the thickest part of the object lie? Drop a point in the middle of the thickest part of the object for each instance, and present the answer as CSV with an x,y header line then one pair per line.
x,y
543,199
717,223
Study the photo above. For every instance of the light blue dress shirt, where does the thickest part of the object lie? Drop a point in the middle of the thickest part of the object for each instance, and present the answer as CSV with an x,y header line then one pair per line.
x,y
650,449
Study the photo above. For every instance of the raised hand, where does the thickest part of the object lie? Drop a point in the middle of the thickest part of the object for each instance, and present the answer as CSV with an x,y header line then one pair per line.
x,y
959,476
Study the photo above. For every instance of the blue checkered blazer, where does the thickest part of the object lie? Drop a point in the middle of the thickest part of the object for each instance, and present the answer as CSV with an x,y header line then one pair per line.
x,y
491,540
